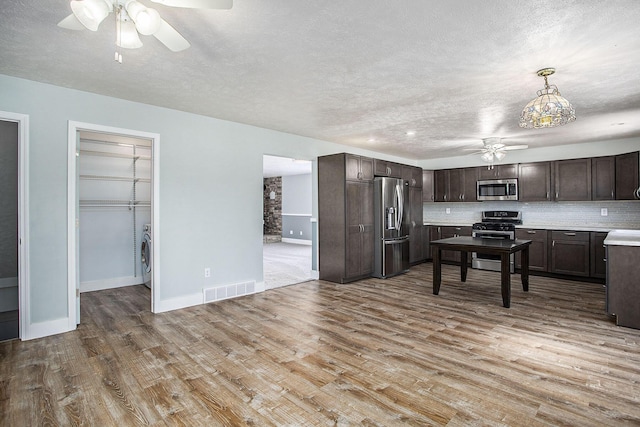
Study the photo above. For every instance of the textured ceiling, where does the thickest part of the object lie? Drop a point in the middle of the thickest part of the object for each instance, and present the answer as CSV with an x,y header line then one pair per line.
x,y
359,72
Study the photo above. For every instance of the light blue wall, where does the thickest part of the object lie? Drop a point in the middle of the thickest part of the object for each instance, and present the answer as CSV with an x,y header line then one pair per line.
x,y
296,194
210,188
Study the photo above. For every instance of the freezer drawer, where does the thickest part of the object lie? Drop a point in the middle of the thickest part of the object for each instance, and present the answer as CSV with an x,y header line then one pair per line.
x,y
392,259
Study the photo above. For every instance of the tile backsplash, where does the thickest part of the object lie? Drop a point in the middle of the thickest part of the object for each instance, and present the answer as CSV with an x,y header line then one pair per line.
x,y
620,214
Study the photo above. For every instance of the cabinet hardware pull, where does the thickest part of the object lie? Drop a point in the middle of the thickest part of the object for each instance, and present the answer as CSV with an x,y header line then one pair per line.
x,y
569,234
612,193
556,194
531,232
604,259
553,245
547,196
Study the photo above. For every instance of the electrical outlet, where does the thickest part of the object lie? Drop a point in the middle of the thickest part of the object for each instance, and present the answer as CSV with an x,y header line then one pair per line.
x,y
604,212
301,233
290,231
207,272
447,210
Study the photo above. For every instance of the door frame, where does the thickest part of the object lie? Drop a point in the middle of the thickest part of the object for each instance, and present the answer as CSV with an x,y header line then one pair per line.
x,y
23,220
72,248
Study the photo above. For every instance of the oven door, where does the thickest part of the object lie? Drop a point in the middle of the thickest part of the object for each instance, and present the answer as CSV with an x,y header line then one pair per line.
x,y
491,262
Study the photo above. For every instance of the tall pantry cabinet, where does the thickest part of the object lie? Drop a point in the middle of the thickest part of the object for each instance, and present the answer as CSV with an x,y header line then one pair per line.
x,y
345,217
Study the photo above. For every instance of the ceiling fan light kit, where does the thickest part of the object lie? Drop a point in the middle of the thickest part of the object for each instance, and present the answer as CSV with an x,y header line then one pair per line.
x,y
91,12
549,108
133,18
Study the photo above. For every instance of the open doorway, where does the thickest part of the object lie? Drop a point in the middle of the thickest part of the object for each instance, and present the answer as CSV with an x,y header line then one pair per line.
x,y
113,193
287,226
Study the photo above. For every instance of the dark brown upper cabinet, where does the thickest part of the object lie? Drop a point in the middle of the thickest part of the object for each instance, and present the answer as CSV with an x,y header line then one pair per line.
x,y
385,168
428,194
627,176
534,182
498,172
572,180
603,178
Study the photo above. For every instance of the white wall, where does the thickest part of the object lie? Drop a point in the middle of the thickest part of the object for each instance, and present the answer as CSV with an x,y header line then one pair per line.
x,y
210,189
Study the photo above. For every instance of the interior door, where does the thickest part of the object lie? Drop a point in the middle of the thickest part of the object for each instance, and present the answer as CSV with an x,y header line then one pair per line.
x,y
9,303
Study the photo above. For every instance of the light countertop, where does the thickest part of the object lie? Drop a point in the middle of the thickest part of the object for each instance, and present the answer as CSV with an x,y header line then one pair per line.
x,y
623,238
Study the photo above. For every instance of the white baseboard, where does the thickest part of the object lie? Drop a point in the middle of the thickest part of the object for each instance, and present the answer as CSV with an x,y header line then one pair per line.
x,y
296,241
178,303
116,282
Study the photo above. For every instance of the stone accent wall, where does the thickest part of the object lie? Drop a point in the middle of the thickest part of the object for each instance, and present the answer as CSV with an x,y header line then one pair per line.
x,y
272,214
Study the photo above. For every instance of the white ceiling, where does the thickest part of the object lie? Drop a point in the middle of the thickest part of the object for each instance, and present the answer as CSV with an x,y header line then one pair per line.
x,y
359,72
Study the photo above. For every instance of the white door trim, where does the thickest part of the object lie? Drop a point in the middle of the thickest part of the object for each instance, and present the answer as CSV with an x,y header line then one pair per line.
x,y
23,219
73,129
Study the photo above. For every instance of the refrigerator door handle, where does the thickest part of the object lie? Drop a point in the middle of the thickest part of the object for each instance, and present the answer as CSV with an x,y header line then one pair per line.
x,y
398,191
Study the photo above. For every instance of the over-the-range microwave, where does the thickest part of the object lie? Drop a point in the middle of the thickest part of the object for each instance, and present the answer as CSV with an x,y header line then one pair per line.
x,y
497,189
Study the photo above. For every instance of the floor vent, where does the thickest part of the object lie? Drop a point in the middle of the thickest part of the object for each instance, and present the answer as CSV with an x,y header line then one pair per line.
x,y
229,291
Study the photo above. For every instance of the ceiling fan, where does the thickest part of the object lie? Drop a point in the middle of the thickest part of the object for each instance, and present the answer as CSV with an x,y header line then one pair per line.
x,y
134,18
494,149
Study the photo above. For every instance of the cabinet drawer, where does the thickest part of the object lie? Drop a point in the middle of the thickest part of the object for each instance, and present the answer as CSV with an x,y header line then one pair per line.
x,y
579,236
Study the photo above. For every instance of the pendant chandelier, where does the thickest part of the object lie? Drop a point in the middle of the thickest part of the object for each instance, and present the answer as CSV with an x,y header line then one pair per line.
x,y
549,108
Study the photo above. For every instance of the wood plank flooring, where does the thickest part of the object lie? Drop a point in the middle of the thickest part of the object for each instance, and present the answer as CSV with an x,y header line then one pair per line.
x,y
373,353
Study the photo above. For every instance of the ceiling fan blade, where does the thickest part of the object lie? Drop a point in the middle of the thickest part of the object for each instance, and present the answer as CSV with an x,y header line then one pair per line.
x,y
71,23
197,4
170,37
515,147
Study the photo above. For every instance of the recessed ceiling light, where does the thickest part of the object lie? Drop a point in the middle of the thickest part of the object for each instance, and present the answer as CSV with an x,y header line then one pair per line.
x,y
371,140
411,132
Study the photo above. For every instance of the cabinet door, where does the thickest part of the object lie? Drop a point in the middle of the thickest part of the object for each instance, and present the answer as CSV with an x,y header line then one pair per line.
x,y
384,168
359,251
627,176
441,179
426,241
358,168
352,167
366,168
428,194
603,178
498,171
537,250
534,182
573,179
453,231
415,225
598,263
456,185
470,189
570,253
413,175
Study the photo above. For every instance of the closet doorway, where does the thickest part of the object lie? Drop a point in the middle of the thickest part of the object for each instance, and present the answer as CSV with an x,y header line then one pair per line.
x,y
13,226
114,184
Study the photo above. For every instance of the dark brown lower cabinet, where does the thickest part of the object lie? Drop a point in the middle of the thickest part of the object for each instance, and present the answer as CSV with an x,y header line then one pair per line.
x,y
598,255
446,231
570,253
538,253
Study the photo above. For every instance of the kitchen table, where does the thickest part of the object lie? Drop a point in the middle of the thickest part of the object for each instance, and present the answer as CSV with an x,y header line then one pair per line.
x,y
502,247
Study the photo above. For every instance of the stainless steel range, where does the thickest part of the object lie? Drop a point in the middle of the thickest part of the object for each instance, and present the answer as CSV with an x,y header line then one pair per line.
x,y
495,225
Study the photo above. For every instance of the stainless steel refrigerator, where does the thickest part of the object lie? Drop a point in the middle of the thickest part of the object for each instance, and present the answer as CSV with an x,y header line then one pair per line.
x,y
391,229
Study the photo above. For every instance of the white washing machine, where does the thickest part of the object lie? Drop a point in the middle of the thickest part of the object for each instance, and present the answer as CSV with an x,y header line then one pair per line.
x,y
145,255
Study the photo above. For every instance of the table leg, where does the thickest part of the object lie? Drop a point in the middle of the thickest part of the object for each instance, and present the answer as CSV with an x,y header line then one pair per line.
x,y
437,270
524,268
463,266
505,274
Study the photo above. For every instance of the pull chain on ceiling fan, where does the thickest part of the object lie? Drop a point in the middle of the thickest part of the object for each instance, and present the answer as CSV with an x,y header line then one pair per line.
x,y
134,18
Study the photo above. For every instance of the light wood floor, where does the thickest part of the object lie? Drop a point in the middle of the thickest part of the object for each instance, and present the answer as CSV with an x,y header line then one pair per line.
x,y
375,352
